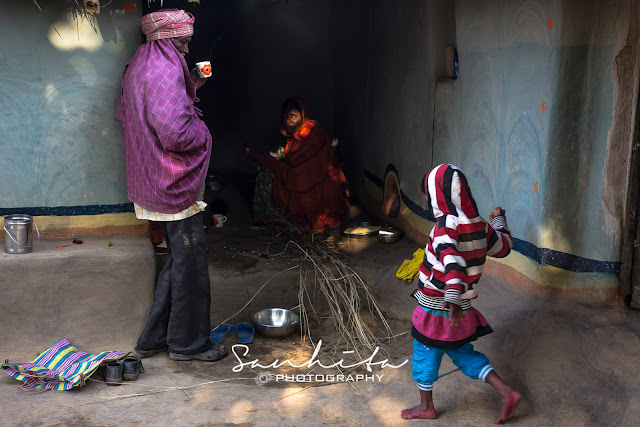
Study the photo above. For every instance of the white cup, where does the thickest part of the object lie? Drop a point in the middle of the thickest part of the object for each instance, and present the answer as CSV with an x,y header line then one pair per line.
x,y
218,220
204,69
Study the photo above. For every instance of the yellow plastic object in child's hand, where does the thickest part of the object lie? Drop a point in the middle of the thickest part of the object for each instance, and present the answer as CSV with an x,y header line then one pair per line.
x,y
410,268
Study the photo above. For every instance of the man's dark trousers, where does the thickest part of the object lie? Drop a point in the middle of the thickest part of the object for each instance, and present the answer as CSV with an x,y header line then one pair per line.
x,y
179,320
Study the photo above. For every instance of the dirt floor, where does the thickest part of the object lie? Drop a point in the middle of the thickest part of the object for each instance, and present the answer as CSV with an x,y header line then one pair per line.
x,y
575,363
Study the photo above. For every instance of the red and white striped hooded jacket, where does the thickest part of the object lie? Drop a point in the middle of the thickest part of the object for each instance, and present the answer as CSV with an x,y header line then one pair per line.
x,y
461,239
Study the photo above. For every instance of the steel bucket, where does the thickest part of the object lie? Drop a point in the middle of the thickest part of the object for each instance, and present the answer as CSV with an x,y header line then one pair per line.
x,y
18,234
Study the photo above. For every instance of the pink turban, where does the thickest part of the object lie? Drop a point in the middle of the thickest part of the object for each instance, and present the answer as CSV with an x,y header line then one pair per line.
x,y
166,24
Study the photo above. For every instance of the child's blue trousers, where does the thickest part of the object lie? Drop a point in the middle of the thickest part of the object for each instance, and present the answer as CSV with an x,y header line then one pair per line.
x,y
426,363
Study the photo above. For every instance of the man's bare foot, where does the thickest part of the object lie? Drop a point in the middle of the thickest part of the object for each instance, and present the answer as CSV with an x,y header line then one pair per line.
x,y
418,413
509,405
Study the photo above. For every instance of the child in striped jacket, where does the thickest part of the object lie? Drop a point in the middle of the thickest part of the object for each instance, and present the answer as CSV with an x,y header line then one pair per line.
x,y
444,320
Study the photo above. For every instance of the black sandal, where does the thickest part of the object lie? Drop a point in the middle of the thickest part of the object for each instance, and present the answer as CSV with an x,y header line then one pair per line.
x,y
211,355
141,354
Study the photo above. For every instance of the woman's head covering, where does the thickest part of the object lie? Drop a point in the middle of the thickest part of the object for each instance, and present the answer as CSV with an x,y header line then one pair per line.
x,y
166,24
294,103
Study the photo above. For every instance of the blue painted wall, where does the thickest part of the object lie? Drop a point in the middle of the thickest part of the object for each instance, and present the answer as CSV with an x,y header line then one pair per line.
x,y
489,121
493,124
61,147
58,88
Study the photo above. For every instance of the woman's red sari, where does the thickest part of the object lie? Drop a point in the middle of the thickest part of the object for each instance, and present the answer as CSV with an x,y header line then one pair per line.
x,y
309,185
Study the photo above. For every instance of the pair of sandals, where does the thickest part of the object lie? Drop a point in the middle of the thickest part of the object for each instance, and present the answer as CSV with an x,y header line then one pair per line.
x,y
126,369
244,330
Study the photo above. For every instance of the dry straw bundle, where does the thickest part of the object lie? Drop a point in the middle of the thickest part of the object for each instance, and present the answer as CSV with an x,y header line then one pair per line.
x,y
325,278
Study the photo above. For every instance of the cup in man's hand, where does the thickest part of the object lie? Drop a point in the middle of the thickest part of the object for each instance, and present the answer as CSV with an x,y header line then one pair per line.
x,y
204,69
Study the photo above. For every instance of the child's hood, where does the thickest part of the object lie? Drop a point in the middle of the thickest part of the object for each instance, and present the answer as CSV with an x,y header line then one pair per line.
x,y
449,192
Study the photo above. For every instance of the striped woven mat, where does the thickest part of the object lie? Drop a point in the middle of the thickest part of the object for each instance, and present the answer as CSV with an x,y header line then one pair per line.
x,y
62,367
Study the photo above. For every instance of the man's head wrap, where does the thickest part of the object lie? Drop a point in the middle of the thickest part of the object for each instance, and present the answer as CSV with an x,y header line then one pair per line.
x,y
167,24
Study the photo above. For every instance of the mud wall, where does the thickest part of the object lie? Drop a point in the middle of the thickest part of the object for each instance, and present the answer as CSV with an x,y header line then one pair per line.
x,y
533,119
60,76
529,115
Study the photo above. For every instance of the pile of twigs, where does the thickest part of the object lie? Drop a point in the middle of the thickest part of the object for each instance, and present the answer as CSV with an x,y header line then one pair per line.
x,y
326,278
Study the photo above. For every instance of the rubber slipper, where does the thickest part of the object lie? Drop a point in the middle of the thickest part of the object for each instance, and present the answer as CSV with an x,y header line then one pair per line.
x,y
245,333
220,332
210,355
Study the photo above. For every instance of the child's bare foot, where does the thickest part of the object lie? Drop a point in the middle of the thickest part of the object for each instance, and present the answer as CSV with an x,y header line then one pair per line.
x,y
418,413
509,404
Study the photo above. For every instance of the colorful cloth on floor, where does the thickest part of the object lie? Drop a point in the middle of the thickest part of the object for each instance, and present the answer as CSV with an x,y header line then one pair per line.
x,y
167,23
62,367
309,185
167,146
410,267
454,259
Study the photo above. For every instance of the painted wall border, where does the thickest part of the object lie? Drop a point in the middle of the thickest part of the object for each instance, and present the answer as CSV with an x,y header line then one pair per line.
x,y
69,210
73,221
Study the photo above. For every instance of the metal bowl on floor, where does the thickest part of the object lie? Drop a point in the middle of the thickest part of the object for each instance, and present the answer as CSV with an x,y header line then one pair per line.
x,y
389,234
275,322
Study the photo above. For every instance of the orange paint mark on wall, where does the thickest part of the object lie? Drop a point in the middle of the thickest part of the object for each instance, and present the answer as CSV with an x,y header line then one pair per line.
x,y
550,22
535,187
543,106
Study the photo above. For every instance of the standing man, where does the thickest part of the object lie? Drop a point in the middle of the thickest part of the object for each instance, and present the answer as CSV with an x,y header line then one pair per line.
x,y
167,148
